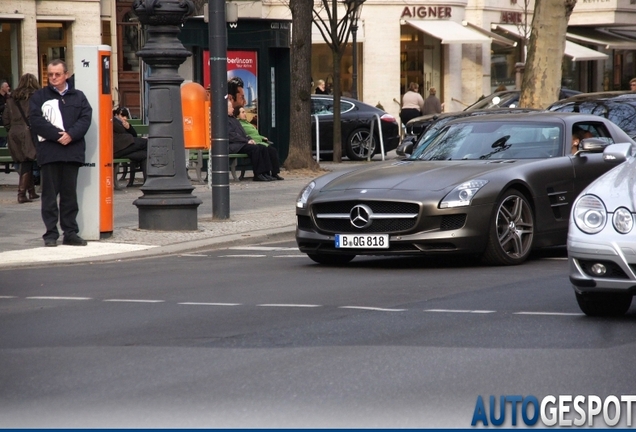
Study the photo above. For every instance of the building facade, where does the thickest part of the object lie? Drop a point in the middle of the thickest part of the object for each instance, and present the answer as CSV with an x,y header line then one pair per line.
x,y
464,48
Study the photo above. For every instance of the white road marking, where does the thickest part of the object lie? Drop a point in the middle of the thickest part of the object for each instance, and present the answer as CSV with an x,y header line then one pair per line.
x,y
290,256
134,301
263,248
57,298
242,256
288,305
193,255
460,311
292,305
371,308
209,304
549,313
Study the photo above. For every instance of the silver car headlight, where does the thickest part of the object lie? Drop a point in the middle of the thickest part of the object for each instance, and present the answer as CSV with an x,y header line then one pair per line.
x,y
304,195
623,220
590,214
463,194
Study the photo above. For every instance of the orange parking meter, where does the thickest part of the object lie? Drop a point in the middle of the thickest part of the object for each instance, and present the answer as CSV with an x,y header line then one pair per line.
x,y
195,118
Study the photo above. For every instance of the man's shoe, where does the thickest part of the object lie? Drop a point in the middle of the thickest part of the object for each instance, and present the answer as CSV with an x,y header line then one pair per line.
x,y
277,177
50,243
74,240
261,178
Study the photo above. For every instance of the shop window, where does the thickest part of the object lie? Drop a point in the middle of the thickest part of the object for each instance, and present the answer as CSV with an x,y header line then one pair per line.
x,y
9,52
502,67
52,44
420,60
322,68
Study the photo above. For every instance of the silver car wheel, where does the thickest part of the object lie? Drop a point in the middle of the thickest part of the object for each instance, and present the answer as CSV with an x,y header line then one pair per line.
x,y
512,231
515,226
360,144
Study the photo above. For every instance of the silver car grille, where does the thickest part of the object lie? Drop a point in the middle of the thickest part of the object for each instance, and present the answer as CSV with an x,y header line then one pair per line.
x,y
365,216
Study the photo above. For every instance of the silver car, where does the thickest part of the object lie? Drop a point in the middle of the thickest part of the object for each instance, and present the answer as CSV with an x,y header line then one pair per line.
x,y
602,239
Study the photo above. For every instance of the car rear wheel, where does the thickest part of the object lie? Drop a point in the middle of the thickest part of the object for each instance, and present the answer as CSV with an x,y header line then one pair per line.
x,y
332,260
360,144
604,304
511,230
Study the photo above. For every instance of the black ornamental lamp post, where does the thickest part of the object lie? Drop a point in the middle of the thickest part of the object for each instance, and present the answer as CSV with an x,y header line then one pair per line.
x,y
167,203
356,9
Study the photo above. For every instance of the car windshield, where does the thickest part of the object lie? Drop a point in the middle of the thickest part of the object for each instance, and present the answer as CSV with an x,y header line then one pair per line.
x,y
492,140
495,100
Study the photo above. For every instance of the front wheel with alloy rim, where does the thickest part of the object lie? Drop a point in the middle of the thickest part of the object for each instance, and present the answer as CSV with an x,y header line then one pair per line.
x,y
604,304
360,144
511,230
332,260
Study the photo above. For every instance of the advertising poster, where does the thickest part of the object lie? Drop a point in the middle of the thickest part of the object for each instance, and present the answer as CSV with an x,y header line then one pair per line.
x,y
243,65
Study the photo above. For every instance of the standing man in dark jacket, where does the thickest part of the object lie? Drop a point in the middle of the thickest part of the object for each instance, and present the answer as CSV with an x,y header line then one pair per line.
x,y
60,115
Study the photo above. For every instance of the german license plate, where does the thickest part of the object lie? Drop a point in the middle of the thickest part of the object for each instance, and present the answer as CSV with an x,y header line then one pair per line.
x,y
362,241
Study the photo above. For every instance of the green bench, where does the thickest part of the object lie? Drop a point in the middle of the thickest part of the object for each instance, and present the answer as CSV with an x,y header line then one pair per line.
x,y
238,161
6,160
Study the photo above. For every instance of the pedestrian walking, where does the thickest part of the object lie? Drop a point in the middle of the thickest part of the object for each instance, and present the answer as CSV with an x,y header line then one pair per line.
x,y
20,139
412,103
432,105
60,115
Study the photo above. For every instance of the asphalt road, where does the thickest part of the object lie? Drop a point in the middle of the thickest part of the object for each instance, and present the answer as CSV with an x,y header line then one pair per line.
x,y
260,336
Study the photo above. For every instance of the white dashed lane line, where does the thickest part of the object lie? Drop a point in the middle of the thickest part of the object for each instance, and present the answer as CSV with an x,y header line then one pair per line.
x,y
58,298
293,305
288,305
372,308
209,304
242,256
133,301
460,311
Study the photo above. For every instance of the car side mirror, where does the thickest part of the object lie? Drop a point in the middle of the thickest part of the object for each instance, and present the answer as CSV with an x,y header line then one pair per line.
x,y
617,153
593,145
408,148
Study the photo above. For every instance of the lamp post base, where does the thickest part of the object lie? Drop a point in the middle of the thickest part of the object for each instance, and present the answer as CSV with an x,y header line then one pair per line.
x,y
166,212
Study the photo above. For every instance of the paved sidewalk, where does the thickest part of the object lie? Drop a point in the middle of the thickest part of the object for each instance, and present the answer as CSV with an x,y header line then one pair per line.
x,y
258,212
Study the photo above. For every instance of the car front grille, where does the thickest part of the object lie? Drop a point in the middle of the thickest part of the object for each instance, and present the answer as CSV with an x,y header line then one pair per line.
x,y
333,217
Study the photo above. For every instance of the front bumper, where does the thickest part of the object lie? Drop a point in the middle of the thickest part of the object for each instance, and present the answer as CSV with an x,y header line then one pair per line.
x,y
615,252
451,231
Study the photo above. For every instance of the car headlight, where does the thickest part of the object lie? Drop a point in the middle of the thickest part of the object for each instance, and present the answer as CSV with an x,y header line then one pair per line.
x,y
304,195
623,220
590,214
463,194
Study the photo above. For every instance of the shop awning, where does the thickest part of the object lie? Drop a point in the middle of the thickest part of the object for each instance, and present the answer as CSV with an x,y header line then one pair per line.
x,y
596,37
575,51
449,32
494,37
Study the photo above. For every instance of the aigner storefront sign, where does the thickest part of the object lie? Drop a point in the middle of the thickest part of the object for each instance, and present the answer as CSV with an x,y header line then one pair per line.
x,y
426,12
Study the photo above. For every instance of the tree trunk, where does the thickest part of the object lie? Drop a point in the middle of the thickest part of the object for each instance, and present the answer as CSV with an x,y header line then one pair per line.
x,y
542,75
300,111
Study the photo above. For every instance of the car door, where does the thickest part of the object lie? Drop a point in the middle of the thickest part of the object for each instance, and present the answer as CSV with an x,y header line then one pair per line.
x,y
590,166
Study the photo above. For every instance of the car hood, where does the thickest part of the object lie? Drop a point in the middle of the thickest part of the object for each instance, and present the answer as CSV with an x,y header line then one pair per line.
x,y
416,175
617,188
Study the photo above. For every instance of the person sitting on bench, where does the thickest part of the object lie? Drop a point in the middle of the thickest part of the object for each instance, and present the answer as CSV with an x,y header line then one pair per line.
x,y
239,142
126,143
252,132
